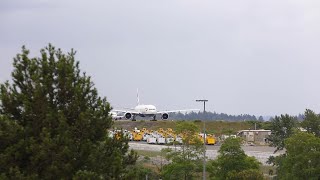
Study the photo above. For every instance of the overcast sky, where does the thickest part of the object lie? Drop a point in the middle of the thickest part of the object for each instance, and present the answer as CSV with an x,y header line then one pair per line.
x,y
245,56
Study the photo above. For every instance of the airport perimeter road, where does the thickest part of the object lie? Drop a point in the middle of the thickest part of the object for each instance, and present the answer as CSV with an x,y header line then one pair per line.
x,y
262,153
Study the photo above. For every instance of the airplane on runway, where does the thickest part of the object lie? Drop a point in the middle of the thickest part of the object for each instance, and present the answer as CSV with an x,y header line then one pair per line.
x,y
147,111
115,116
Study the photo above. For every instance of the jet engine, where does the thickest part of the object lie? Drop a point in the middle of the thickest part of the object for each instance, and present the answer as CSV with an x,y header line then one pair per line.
x,y
128,115
165,116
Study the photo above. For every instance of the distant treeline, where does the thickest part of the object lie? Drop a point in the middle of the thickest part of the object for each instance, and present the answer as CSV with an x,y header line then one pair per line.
x,y
300,117
213,116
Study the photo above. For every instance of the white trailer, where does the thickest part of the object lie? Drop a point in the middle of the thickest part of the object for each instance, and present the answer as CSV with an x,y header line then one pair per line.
x,y
179,140
146,136
169,140
161,140
152,140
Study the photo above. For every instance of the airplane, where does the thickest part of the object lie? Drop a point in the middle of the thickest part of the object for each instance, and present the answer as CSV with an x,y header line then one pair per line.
x,y
115,116
147,111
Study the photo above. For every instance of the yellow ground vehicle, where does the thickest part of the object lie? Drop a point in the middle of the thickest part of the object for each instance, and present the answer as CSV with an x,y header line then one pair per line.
x,y
160,130
137,136
168,134
144,130
169,130
210,140
117,135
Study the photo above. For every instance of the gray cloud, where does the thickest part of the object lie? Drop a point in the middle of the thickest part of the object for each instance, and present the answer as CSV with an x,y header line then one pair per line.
x,y
258,57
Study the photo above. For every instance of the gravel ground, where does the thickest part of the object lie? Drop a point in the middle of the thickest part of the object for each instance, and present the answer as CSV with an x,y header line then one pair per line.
x,y
262,153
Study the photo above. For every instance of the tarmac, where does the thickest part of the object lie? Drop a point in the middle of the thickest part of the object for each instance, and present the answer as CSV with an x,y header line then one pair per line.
x,y
261,153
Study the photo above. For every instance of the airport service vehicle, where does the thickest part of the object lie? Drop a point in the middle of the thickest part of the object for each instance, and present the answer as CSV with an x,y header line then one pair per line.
x,y
169,140
161,140
110,134
148,111
137,136
160,136
152,140
146,136
210,140
179,140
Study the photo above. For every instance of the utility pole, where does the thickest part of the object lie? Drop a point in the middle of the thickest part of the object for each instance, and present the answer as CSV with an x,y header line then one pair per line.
x,y
204,137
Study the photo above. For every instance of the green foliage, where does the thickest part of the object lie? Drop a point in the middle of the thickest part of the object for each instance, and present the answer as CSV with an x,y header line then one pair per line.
x,y
138,172
85,175
53,123
189,131
282,127
228,131
311,122
255,124
259,124
146,158
186,161
266,125
187,128
249,174
302,158
233,162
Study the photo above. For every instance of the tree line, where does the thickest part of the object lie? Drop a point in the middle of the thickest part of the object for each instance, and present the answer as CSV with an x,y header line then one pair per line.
x,y
213,116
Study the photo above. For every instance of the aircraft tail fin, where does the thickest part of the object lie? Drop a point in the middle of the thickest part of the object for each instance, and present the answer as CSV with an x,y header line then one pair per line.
x,y
138,100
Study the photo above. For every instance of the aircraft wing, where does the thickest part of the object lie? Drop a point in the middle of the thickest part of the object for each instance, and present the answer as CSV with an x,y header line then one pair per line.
x,y
123,108
183,110
125,111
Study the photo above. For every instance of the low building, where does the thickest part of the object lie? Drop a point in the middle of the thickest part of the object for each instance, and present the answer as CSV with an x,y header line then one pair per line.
x,y
259,137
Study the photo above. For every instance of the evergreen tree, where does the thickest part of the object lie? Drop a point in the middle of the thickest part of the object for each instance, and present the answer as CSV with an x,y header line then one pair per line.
x,y
53,123
233,163
311,122
260,118
282,127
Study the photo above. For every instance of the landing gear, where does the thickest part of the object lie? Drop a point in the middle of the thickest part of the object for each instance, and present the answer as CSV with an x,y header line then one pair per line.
x,y
154,118
134,118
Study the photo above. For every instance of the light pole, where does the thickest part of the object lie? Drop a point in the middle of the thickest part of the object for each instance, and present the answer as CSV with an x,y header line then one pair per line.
x,y
204,137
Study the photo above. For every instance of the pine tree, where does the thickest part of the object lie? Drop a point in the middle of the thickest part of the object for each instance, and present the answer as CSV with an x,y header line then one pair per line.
x,y
311,122
282,127
54,124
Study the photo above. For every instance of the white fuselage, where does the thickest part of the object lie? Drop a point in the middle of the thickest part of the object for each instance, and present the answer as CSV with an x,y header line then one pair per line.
x,y
115,116
146,109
